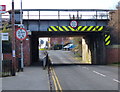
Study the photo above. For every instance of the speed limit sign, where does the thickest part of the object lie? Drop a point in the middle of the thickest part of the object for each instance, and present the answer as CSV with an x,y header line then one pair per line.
x,y
21,34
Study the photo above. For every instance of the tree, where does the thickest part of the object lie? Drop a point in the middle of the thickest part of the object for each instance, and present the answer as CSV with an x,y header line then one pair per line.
x,y
114,26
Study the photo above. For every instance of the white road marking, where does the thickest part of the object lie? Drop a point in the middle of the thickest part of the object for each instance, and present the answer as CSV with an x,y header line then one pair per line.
x,y
116,80
99,73
85,68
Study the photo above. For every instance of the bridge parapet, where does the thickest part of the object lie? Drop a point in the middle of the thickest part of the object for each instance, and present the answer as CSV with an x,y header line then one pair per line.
x,y
89,20
96,14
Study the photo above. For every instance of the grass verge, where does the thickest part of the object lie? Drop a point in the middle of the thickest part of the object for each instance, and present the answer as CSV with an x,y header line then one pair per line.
x,y
116,64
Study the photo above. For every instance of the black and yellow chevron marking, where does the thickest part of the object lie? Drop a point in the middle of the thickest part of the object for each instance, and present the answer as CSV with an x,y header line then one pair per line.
x,y
79,28
107,39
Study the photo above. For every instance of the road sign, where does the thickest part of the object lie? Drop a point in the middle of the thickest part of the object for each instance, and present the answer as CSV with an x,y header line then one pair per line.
x,y
2,9
5,36
41,42
21,34
73,23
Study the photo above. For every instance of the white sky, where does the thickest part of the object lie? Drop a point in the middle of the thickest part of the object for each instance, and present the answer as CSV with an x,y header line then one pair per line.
x,y
62,4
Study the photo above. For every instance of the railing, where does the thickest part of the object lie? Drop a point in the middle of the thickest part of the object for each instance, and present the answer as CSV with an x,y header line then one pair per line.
x,y
6,68
66,14
63,14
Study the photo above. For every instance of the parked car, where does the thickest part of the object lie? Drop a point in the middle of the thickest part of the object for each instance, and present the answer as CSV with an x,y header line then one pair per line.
x,y
69,47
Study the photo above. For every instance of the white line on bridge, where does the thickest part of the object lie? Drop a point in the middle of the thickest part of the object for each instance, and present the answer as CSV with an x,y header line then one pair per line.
x,y
116,80
99,73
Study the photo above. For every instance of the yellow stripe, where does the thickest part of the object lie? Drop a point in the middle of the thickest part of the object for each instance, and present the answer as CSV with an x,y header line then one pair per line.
x,y
101,28
94,29
72,29
49,29
79,28
66,29
107,38
60,88
60,28
55,84
83,29
107,43
105,35
53,28
97,28
89,29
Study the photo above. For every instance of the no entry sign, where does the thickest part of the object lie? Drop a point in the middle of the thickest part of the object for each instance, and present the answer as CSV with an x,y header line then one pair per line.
x,y
21,34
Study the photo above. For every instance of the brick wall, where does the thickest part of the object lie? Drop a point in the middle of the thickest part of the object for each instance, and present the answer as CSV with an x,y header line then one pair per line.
x,y
7,56
26,51
112,54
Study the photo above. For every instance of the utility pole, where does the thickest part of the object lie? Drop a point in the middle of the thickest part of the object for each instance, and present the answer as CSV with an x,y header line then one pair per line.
x,y
13,41
0,43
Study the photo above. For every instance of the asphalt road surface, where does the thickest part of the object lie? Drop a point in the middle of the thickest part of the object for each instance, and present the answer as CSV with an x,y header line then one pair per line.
x,y
62,57
82,77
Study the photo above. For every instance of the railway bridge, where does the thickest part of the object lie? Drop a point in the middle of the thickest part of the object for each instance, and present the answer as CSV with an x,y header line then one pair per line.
x,y
91,24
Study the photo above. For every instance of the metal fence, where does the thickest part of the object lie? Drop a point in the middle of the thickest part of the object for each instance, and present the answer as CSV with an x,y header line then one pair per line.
x,y
6,68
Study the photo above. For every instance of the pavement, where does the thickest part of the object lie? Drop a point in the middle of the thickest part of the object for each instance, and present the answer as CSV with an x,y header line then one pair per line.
x,y
66,77
33,78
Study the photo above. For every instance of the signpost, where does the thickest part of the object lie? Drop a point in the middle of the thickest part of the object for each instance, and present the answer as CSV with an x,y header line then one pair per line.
x,y
2,9
5,36
21,34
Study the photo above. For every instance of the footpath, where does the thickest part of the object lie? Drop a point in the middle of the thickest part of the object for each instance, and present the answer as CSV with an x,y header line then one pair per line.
x,y
33,78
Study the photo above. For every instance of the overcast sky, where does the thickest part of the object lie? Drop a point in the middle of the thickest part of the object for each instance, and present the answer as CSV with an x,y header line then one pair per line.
x,y
62,4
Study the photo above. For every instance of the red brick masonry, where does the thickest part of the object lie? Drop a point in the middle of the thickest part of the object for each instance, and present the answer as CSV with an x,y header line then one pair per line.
x,y
7,56
112,55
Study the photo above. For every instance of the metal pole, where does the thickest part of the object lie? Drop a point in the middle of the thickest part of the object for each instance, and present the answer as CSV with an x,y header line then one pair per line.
x,y
13,40
22,61
58,19
0,43
39,22
21,14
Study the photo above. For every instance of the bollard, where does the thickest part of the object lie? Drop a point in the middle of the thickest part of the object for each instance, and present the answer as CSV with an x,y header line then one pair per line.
x,y
19,64
13,72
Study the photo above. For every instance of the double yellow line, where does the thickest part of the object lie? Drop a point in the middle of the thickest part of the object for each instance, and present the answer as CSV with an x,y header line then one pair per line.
x,y
56,82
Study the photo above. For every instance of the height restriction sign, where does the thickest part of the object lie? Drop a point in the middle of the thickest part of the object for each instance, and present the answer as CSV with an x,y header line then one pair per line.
x,y
21,34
